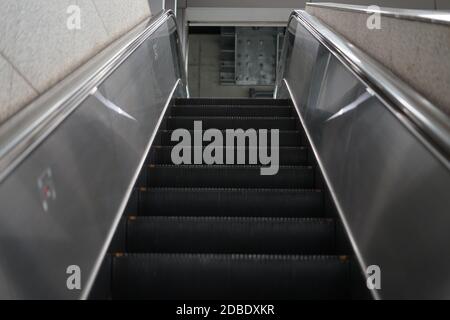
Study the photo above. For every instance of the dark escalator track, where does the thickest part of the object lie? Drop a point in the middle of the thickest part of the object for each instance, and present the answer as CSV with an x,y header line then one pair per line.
x,y
226,231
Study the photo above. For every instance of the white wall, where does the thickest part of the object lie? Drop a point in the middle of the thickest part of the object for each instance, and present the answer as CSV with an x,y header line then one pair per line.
x,y
443,4
37,49
417,52
410,4
407,4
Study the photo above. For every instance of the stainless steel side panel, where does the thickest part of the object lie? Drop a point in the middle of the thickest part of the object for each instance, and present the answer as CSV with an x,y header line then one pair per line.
x,y
88,166
392,192
36,247
140,88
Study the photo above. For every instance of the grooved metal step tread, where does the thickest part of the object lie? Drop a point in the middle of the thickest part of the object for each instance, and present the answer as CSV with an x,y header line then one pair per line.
x,y
227,232
224,123
233,118
223,107
230,276
293,138
241,111
232,102
224,190
232,167
228,202
227,176
230,235
287,155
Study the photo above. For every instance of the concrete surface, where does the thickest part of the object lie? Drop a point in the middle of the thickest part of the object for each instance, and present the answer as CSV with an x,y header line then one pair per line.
x,y
417,52
14,90
38,49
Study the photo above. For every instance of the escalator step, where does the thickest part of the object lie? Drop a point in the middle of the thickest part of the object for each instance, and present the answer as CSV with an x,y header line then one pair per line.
x,y
287,138
230,202
224,123
212,276
231,102
234,111
230,235
228,177
289,156
227,232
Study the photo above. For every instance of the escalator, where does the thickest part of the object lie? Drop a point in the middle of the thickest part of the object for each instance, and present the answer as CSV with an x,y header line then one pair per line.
x,y
226,231
360,190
